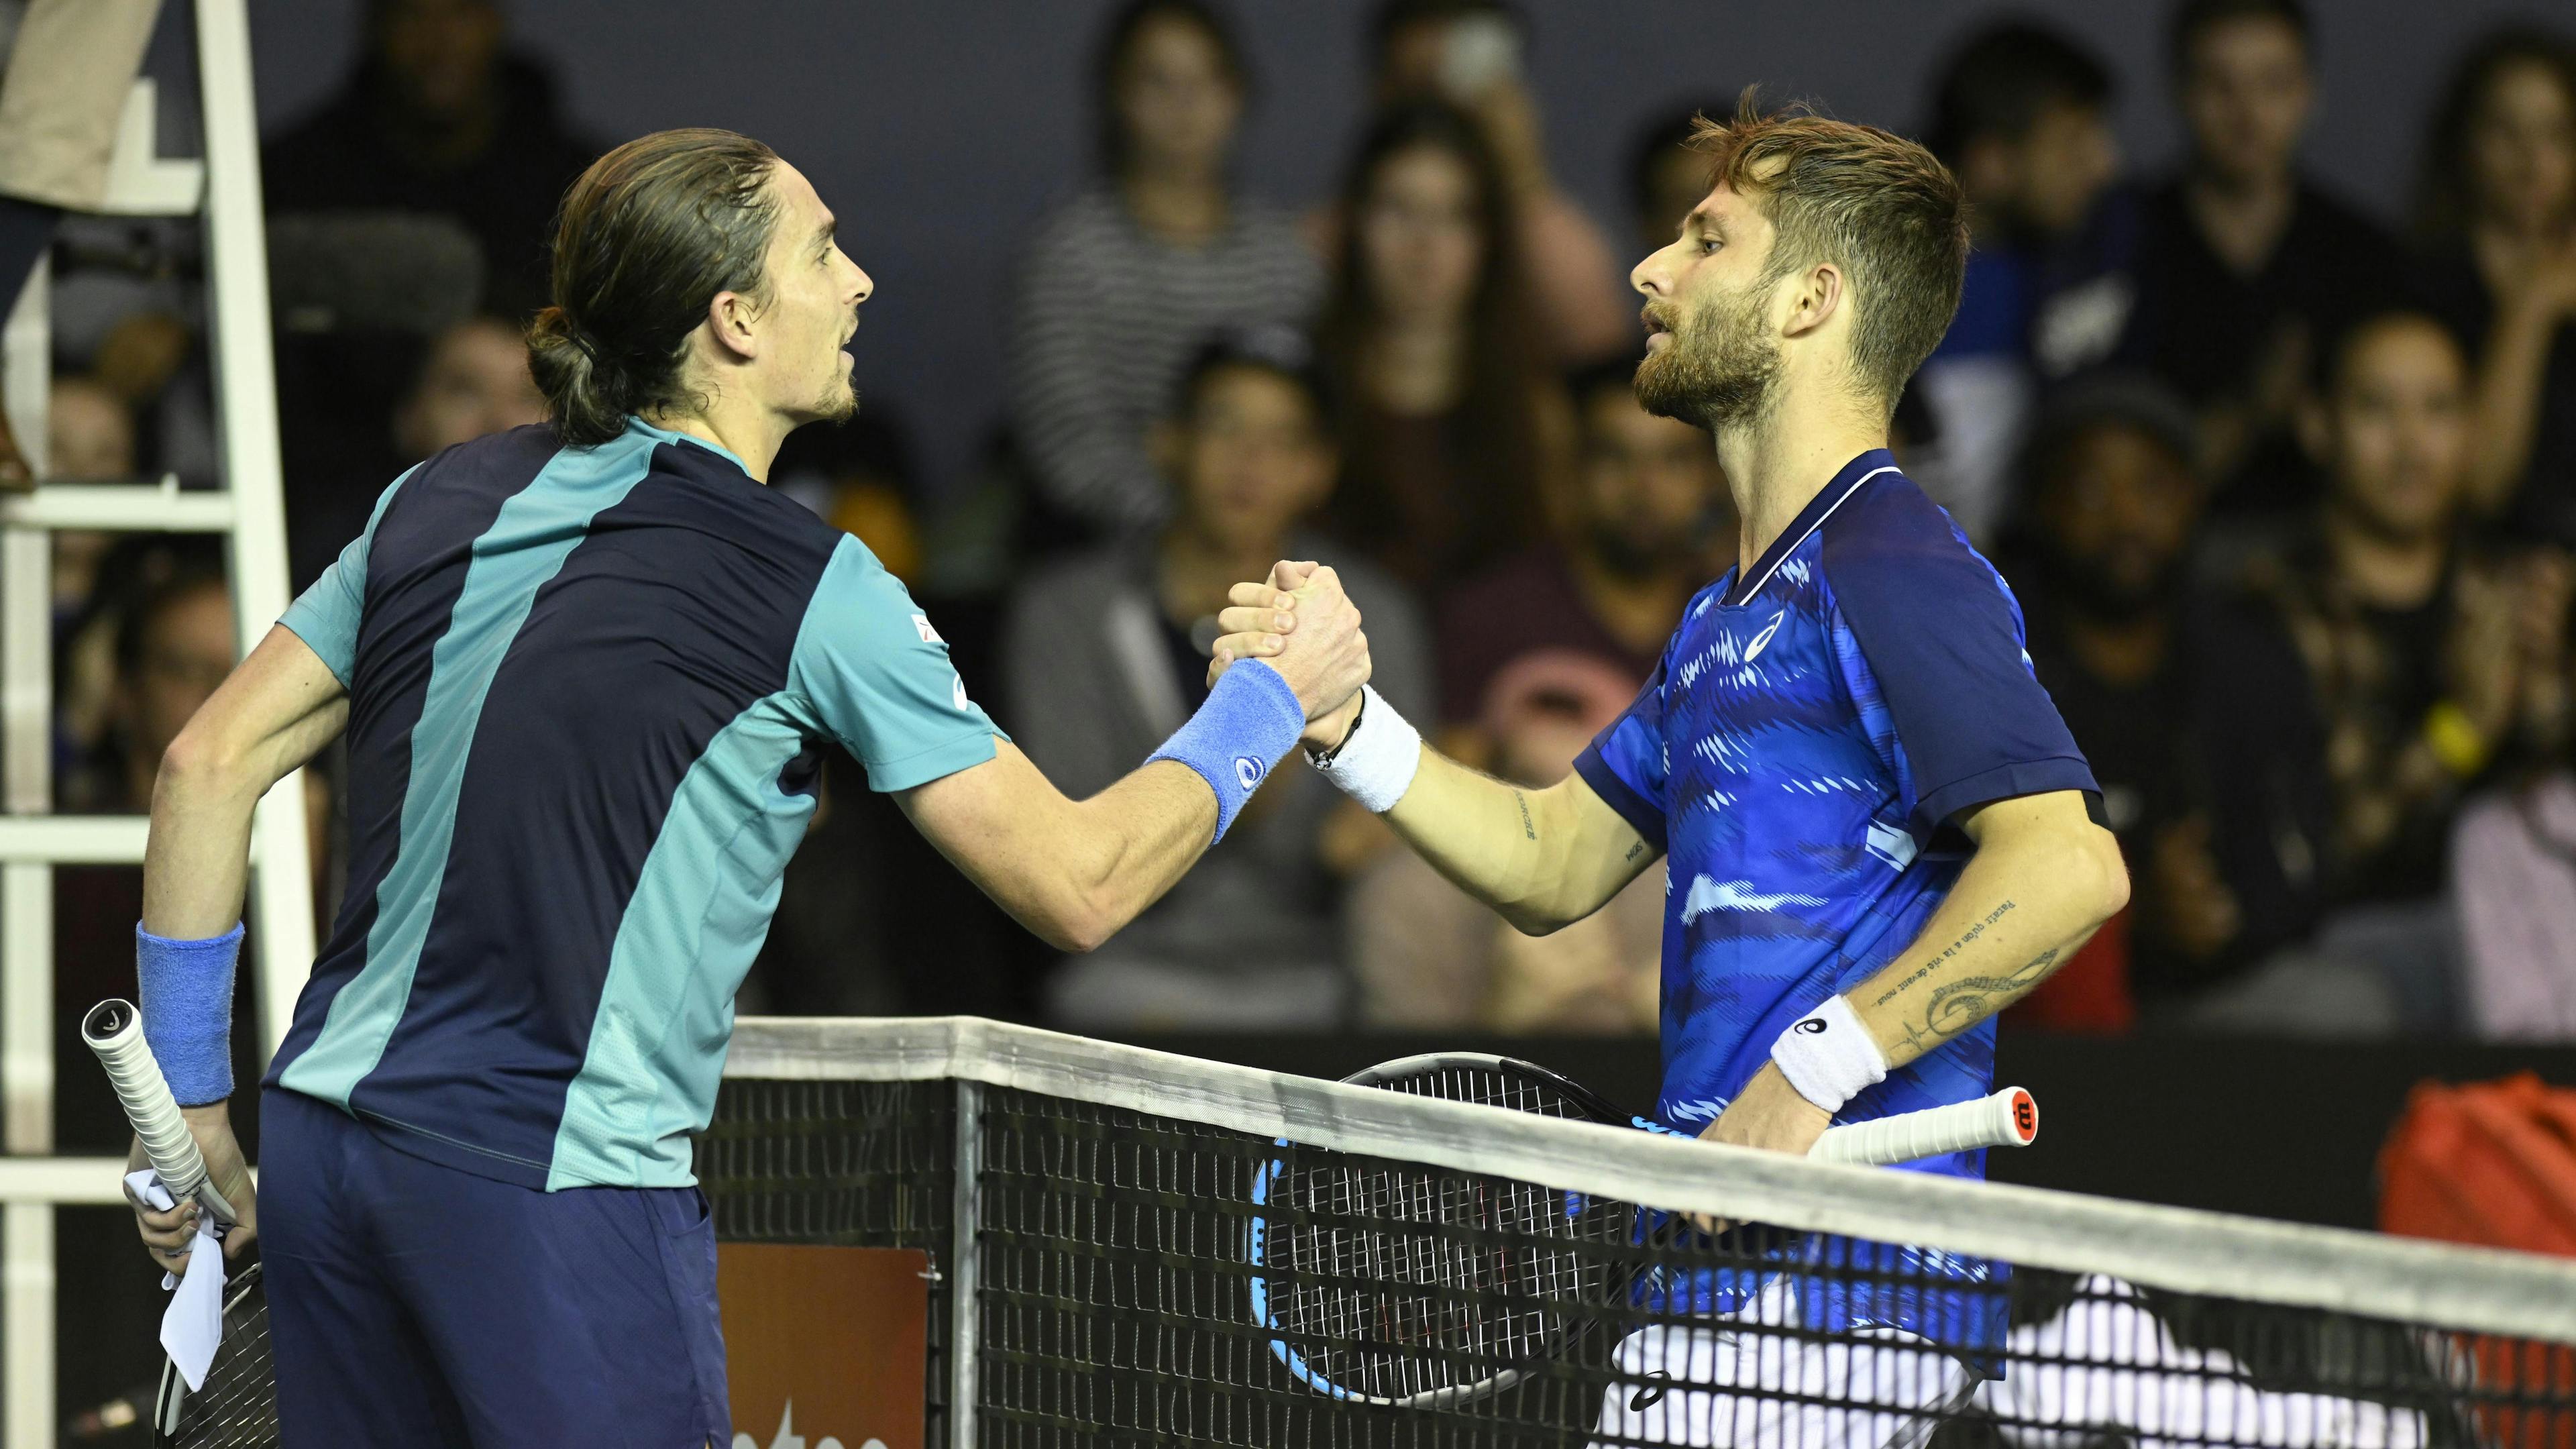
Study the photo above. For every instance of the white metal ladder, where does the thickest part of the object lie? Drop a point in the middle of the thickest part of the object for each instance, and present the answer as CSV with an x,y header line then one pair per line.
x,y
250,513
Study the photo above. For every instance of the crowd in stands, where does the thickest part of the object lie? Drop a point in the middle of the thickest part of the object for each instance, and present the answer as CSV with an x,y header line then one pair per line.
x,y
2287,492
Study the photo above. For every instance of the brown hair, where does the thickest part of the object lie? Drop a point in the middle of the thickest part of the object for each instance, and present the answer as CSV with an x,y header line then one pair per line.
x,y
2443,204
1490,432
644,240
1872,203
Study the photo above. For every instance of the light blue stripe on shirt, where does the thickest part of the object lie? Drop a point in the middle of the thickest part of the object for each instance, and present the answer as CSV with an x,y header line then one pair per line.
x,y
525,546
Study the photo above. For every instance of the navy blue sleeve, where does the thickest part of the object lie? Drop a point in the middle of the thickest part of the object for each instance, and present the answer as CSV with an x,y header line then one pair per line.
x,y
1624,764
1943,639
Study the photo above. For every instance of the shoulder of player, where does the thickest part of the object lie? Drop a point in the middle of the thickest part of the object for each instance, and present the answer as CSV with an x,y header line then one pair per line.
x,y
1890,544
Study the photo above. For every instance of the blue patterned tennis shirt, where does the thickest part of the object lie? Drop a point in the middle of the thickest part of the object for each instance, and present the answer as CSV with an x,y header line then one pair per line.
x,y
1816,725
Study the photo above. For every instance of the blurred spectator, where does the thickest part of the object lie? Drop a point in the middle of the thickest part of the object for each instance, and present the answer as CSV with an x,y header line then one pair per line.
x,y
2246,267
2375,674
1469,54
89,434
2513,853
1107,654
440,118
172,650
2021,115
465,381
1666,178
1453,431
2498,219
474,383
1150,259
1649,514
70,65
1427,955
2110,502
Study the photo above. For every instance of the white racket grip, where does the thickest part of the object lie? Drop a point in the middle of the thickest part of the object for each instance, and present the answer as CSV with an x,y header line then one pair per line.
x,y
2009,1118
114,1030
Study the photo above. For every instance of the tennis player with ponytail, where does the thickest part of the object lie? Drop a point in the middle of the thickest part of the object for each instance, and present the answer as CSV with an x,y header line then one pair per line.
x,y
587,672
1878,829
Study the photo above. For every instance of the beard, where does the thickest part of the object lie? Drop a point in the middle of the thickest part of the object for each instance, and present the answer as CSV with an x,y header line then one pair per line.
x,y
1719,370
839,402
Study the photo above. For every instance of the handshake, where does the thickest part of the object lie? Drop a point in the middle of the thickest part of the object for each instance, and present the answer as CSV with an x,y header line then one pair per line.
x,y
1300,623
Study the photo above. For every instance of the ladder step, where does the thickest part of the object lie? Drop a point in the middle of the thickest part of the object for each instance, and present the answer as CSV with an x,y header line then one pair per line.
x,y
92,1180
74,839
120,508
139,181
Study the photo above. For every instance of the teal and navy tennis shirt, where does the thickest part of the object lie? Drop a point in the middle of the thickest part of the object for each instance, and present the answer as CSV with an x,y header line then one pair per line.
x,y
590,690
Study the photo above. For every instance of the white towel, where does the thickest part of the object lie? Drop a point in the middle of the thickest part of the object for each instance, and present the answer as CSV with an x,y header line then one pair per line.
x,y
194,1322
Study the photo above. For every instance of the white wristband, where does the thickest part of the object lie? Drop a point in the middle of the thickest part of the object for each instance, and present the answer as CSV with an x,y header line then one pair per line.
x,y
1375,765
1829,1056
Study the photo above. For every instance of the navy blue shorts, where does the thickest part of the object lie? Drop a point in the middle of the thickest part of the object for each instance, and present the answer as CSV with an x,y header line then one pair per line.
x,y
413,1304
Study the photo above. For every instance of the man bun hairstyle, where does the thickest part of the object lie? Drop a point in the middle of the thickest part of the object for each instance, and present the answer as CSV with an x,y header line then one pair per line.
x,y
1873,203
643,241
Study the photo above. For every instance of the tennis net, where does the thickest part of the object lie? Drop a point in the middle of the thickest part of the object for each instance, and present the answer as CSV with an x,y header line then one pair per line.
x,y
1132,1247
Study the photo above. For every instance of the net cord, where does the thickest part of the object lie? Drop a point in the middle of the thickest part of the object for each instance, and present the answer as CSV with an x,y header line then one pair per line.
x,y
2182,1249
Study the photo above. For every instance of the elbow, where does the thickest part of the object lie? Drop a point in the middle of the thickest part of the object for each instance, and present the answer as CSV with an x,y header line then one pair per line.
x,y
1531,919
2104,873
196,764
1079,924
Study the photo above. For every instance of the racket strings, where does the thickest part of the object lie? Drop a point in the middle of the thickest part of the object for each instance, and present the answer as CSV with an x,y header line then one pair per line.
x,y
236,1408
1399,1283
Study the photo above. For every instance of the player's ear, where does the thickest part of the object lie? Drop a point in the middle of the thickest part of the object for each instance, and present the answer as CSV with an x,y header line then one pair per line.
x,y
1821,293
730,318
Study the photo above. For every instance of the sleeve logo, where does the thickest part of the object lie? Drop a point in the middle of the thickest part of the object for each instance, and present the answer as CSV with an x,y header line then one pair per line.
x,y
958,683
921,626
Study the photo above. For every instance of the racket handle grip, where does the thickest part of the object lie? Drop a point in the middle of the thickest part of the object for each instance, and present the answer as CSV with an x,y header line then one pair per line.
x,y
2009,1118
114,1030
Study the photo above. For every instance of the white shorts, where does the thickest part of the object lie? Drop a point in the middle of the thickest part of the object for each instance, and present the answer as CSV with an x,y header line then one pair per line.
x,y
1733,1385
2103,1364
2106,1362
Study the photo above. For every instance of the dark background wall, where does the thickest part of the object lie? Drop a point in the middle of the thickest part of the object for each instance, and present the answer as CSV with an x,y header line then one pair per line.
x,y
939,129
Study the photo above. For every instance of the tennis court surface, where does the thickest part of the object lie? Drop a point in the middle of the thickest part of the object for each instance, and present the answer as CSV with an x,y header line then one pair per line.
x,y
1130,1247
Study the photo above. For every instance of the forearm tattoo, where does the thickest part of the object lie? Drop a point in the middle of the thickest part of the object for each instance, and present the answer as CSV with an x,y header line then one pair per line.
x,y
1528,828
1953,949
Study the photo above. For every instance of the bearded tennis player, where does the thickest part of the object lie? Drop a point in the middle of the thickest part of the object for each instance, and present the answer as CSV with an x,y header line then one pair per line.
x,y
1878,830
588,672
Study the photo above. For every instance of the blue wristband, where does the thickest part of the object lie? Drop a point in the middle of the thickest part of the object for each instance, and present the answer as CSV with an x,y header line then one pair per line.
x,y
187,1001
1250,721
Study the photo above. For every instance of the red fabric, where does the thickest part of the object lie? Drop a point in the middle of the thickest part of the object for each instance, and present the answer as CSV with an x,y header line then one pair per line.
x,y
2493,1164
2089,995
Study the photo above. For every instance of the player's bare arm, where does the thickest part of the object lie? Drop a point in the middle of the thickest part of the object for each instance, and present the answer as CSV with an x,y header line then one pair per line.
x,y
1541,858
1075,872
2043,878
270,716
267,719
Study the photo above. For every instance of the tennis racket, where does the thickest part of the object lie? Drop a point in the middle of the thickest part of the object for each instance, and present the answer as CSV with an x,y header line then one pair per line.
x,y
1416,1288
236,1407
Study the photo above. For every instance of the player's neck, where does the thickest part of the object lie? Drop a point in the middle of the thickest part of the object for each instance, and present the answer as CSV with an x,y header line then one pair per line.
x,y
1777,464
749,432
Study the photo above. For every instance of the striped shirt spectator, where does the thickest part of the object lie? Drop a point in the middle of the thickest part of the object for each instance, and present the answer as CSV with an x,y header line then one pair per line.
x,y
1109,316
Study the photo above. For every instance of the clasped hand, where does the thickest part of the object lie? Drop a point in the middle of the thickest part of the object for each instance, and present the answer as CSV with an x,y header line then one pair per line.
x,y
1301,622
